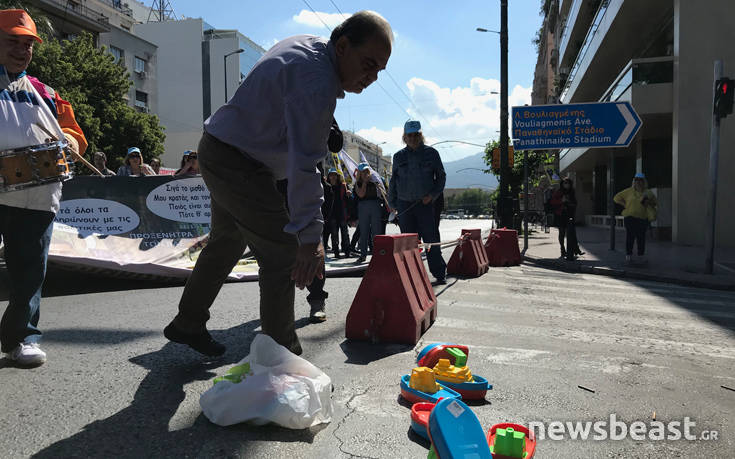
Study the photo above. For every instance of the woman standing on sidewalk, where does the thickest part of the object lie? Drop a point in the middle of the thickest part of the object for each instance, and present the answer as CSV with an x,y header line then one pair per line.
x,y
639,209
564,204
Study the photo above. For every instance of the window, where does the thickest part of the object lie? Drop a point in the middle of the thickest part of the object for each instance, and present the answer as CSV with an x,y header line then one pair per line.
x,y
139,65
141,101
117,54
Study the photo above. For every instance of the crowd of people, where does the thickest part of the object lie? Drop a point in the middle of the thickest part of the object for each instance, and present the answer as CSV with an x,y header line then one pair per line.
x,y
135,166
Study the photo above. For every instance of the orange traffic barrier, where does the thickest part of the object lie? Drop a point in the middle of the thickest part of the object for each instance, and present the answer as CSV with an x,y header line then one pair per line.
x,y
395,302
469,258
502,247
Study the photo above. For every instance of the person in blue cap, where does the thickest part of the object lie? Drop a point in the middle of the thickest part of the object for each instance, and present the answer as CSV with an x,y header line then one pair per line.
x,y
134,165
639,209
417,181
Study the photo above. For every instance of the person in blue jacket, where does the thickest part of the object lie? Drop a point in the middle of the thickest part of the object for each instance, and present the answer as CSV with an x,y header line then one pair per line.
x,y
417,181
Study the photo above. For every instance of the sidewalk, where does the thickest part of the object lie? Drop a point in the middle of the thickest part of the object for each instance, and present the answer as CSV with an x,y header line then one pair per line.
x,y
667,262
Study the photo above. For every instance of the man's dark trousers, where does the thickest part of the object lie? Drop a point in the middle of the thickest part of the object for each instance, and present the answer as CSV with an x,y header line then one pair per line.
x,y
419,218
247,210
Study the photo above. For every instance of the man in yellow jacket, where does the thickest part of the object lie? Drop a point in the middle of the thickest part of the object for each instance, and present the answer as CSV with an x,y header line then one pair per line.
x,y
639,209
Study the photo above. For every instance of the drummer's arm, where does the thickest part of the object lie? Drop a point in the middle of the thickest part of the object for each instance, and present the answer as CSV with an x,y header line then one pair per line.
x,y
72,131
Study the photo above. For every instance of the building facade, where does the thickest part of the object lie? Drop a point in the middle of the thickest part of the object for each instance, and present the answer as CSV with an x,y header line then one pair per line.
x,y
354,145
110,22
192,70
658,55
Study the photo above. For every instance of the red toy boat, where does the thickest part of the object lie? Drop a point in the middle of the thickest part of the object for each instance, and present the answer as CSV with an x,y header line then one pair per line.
x,y
430,355
420,418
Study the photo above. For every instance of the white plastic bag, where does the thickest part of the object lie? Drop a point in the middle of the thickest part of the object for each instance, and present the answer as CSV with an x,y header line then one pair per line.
x,y
270,385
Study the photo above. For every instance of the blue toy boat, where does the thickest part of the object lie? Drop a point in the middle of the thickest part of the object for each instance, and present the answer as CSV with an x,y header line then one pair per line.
x,y
456,433
416,396
475,390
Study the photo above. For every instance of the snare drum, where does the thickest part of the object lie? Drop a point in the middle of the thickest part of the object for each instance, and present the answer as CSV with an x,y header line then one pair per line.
x,y
33,166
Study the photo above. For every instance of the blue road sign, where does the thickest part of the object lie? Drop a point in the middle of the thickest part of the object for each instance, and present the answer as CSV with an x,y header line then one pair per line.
x,y
604,124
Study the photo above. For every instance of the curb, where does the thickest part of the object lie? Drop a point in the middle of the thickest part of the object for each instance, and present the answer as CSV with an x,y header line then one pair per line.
x,y
613,272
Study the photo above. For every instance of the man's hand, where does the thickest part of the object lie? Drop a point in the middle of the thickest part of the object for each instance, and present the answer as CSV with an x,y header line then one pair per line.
x,y
426,199
73,145
309,263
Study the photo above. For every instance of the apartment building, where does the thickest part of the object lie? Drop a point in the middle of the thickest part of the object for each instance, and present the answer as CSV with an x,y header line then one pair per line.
x,y
110,22
354,145
192,70
658,55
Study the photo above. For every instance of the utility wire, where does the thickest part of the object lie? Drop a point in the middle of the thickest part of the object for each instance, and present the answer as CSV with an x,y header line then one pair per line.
x,y
317,15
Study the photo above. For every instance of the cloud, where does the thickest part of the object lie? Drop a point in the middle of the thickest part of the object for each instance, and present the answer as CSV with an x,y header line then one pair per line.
x,y
468,113
269,44
308,18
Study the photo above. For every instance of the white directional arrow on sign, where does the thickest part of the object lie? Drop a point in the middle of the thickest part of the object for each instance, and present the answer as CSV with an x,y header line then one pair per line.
x,y
630,124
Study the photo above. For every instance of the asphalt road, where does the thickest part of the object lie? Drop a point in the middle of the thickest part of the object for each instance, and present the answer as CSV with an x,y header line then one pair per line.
x,y
113,386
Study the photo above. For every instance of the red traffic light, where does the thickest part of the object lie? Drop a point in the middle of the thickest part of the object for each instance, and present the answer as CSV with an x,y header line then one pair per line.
x,y
723,103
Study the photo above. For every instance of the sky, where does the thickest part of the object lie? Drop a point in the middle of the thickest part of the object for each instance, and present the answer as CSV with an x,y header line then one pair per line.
x,y
441,71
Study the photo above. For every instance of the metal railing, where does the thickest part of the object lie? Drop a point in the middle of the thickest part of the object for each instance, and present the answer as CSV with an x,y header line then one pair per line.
x,y
591,32
118,5
79,9
567,29
652,70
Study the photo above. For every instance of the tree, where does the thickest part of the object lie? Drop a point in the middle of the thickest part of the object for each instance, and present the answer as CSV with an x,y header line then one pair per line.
x,y
516,176
95,85
474,201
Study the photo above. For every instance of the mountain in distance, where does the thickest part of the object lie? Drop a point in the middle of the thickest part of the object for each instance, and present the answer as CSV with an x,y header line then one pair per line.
x,y
471,178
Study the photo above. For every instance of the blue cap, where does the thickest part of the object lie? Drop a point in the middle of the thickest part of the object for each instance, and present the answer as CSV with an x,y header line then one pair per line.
x,y
640,175
332,171
188,152
411,126
133,150
362,166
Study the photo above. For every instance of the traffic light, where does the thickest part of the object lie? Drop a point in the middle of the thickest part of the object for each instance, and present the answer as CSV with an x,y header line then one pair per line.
x,y
724,90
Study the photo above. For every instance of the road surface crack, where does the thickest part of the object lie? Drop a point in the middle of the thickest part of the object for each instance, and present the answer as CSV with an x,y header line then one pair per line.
x,y
342,422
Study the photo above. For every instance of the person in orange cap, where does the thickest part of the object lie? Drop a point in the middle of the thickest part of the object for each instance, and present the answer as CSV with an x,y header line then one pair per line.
x,y
31,113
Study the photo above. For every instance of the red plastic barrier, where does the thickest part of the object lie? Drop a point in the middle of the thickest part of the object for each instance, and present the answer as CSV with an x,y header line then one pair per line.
x,y
395,302
502,247
469,258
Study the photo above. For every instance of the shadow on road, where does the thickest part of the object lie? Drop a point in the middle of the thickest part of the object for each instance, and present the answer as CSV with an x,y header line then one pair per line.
x,y
364,352
142,429
95,335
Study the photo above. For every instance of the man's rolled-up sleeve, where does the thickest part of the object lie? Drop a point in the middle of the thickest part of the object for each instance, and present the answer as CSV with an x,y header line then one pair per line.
x,y
308,120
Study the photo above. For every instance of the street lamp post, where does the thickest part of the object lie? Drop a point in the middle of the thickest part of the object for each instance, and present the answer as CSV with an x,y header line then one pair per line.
x,y
237,51
505,204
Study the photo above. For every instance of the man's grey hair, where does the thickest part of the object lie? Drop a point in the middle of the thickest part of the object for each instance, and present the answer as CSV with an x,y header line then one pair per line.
x,y
100,155
361,26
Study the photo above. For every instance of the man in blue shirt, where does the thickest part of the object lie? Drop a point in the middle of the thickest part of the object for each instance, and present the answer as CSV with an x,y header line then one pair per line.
x,y
417,181
275,127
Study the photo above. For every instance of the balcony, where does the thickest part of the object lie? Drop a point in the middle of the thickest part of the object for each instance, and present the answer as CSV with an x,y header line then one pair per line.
x,y
578,17
620,31
118,5
591,38
647,84
76,13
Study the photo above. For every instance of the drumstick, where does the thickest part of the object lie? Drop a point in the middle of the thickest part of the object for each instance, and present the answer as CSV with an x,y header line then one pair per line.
x,y
74,154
